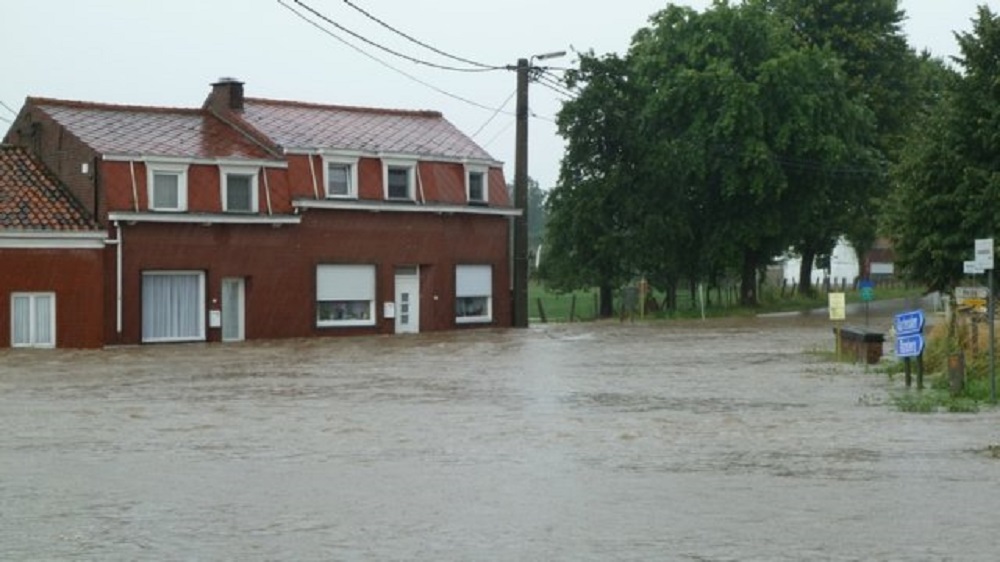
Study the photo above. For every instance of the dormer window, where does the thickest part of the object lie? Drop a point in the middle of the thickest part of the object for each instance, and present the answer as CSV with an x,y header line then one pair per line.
x,y
341,177
239,188
476,185
167,187
399,176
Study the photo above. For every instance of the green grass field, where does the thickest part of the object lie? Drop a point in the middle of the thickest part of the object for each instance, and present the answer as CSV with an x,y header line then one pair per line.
x,y
583,305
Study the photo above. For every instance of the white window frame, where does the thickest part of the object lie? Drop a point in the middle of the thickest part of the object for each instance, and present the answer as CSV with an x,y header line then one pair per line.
x,y
485,172
230,170
352,176
179,170
325,293
411,179
201,306
467,287
32,316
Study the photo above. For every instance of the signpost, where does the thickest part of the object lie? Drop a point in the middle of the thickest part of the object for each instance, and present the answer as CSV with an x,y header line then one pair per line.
x,y
909,327
984,251
837,303
867,289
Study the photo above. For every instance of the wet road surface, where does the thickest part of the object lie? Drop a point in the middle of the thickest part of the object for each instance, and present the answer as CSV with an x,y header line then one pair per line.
x,y
669,441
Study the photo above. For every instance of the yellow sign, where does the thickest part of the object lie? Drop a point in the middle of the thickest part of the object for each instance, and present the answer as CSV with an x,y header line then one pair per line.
x,y
838,306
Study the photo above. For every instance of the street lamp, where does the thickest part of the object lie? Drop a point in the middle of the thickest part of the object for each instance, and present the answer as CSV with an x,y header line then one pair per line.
x,y
524,67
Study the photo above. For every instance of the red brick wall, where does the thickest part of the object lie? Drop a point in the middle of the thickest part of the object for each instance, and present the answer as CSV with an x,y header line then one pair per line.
x,y
75,276
280,265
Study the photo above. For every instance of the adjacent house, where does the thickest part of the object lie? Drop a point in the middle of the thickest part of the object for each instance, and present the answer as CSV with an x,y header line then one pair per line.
x,y
251,218
51,259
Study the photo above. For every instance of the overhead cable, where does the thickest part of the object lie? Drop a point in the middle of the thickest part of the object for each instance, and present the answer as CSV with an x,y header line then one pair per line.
x,y
380,61
495,113
7,107
364,39
418,42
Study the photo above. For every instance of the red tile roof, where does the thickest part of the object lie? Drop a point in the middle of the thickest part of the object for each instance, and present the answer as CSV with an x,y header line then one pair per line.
x,y
303,125
151,131
31,198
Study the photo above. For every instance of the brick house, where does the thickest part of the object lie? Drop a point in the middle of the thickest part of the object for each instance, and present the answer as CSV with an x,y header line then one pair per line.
x,y
51,259
250,218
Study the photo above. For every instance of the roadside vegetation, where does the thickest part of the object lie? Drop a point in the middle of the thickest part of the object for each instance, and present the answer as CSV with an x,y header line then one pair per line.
x,y
968,339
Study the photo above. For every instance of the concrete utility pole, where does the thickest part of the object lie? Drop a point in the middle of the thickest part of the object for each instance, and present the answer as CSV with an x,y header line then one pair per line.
x,y
520,300
521,198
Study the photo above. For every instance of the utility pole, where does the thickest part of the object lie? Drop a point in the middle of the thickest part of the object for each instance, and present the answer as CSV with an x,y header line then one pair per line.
x,y
521,198
520,300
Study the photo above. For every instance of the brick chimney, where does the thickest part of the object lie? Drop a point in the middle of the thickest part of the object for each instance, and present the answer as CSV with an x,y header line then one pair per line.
x,y
227,95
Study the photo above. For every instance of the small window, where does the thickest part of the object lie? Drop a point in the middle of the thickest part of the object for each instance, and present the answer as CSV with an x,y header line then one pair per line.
x,y
167,187
399,180
239,189
33,320
476,184
345,295
473,294
341,177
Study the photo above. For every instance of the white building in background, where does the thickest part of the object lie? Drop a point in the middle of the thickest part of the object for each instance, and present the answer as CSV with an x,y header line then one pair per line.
x,y
843,265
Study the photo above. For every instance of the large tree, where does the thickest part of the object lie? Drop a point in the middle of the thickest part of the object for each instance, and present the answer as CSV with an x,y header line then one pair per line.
x,y
947,183
868,38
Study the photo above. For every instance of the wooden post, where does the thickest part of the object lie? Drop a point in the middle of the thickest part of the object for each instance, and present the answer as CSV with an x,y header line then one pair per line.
x,y
572,308
920,371
909,375
541,311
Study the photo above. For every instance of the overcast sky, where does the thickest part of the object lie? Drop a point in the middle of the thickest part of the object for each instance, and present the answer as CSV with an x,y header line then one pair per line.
x,y
168,52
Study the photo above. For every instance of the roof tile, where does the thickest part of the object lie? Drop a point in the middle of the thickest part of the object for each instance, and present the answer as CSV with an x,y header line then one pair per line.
x,y
31,198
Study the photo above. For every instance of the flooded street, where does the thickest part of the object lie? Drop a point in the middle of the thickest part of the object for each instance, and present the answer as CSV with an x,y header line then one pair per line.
x,y
668,441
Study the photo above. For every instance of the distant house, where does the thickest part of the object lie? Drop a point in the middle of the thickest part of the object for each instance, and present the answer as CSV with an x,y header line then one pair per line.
x,y
250,218
51,259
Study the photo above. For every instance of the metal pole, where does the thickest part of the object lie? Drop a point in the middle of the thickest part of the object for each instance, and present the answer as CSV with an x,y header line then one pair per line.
x,y
520,319
992,314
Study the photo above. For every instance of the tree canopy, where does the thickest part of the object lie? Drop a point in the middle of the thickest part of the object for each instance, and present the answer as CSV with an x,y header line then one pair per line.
x,y
713,145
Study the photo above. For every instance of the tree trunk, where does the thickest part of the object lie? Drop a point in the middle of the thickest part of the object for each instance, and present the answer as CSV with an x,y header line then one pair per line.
x,y
607,301
748,280
805,273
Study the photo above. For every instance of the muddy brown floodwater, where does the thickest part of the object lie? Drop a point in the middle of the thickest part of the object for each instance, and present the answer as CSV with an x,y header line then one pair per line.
x,y
668,441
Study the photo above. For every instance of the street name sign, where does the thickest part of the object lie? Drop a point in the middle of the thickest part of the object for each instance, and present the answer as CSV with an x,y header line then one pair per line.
x,y
984,253
910,345
909,323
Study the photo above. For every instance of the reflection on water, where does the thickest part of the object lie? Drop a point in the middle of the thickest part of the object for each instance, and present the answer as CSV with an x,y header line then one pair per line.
x,y
699,441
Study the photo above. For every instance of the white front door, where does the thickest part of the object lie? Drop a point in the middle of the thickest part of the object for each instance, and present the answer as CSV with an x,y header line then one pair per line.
x,y
407,300
233,309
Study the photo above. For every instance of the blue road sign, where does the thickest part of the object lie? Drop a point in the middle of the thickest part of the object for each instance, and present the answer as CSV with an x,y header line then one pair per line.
x,y
910,345
909,322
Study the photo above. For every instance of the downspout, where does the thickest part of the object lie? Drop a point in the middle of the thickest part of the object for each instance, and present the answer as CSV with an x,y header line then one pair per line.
x,y
119,233
420,184
267,192
135,192
312,170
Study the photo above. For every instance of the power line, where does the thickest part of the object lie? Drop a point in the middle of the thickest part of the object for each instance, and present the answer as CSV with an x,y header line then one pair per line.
x,y
7,107
2,118
382,62
495,113
498,133
417,41
364,39
555,87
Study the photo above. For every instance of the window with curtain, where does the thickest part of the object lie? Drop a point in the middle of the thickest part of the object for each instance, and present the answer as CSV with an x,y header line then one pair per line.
x,y
173,306
345,295
33,320
473,293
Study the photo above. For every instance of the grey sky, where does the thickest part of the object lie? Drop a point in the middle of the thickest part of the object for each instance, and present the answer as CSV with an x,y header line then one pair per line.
x,y
167,53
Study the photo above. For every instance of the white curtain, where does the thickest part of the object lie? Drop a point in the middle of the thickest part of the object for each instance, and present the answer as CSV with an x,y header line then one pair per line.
x,y
33,320
231,307
22,321
172,307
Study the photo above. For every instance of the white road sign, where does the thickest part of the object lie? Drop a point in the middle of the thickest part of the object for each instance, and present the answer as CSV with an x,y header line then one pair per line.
x,y
984,253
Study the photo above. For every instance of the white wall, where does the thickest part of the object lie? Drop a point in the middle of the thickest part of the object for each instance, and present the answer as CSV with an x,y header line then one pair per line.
x,y
843,265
